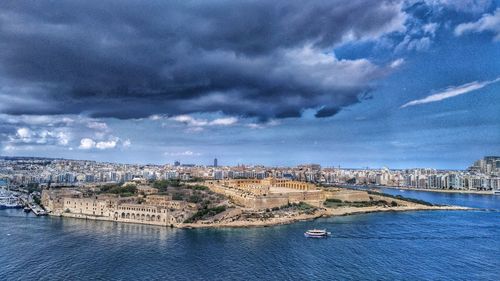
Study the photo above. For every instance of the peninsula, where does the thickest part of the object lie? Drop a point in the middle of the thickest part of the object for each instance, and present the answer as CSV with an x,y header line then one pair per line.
x,y
220,203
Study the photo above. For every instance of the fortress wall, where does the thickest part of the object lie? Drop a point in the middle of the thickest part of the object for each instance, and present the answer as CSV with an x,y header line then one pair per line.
x,y
269,202
308,193
348,195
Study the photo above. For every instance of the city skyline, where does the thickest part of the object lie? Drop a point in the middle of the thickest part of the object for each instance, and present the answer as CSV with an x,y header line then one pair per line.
x,y
402,84
475,165
482,175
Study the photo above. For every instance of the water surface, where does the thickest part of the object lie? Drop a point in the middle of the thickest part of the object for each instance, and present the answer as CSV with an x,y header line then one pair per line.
x,y
425,245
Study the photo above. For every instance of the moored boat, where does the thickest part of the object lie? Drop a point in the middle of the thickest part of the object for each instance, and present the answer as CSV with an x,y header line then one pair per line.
x,y
316,233
8,201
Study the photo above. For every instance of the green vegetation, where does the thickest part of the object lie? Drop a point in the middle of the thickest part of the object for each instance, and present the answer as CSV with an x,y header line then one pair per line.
x,y
399,197
32,187
165,185
333,203
198,187
195,180
195,198
177,196
37,200
336,203
301,206
205,213
351,181
192,193
124,191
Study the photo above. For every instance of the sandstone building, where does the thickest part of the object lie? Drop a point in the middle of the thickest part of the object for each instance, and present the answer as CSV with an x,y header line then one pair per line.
x,y
157,209
270,192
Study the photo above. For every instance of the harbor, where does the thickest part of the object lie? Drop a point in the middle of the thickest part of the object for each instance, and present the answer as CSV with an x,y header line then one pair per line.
x,y
16,200
8,200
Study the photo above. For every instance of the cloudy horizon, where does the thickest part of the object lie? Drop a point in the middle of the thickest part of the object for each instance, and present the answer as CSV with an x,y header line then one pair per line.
x,y
361,84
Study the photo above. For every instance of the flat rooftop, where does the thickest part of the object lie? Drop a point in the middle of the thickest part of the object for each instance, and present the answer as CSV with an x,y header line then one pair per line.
x,y
288,190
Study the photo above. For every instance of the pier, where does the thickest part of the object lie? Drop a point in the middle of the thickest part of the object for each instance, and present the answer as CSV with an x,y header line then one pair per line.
x,y
35,208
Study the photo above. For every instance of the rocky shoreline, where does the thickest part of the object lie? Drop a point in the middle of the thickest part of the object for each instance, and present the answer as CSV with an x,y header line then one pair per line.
x,y
325,213
322,213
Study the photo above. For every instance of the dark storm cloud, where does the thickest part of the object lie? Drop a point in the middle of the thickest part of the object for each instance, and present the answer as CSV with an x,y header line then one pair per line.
x,y
327,112
128,59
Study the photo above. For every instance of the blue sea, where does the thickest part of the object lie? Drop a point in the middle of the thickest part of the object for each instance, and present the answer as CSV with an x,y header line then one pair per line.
x,y
424,245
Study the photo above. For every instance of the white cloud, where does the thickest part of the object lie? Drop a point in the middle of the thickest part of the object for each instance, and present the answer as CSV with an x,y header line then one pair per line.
x,y
86,143
451,92
46,130
397,24
417,44
60,137
155,117
224,121
488,22
194,130
430,28
397,63
113,142
45,120
189,120
468,6
194,122
126,143
106,144
63,138
12,148
24,133
270,123
325,69
255,126
182,153
98,126
9,147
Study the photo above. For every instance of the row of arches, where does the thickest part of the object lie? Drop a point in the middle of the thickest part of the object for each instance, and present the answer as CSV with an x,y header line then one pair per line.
x,y
140,217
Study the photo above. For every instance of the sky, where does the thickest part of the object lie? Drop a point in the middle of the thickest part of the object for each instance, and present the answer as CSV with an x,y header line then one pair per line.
x,y
400,84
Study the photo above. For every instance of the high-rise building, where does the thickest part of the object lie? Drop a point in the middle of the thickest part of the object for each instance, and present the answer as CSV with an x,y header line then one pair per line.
x,y
215,162
487,165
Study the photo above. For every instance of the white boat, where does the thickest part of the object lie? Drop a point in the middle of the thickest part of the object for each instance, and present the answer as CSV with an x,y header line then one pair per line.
x,y
317,233
8,200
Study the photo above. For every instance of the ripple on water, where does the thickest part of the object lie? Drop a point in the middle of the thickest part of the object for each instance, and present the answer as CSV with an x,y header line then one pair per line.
x,y
440,245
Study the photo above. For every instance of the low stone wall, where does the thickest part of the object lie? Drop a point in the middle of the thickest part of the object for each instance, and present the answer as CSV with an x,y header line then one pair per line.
x,y
348,195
